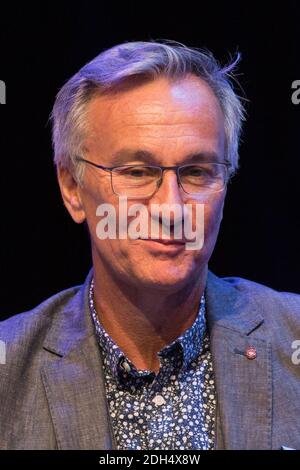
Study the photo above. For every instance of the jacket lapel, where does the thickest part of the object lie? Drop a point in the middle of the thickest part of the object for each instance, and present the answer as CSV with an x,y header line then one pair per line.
x,y
244,386
73,379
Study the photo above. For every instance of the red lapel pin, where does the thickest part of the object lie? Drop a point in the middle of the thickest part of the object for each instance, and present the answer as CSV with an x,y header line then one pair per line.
x,y
250,352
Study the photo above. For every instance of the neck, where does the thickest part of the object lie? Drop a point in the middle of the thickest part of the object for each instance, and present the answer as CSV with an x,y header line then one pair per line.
x,y
143,320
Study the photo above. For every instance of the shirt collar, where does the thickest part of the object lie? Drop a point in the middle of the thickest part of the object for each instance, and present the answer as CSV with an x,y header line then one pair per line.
x,y
190,342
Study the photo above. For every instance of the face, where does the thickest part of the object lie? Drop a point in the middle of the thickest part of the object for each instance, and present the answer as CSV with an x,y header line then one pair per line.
x,y
163,123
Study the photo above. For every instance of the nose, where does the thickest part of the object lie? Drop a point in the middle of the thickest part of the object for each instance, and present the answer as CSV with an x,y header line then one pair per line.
x,y
169,190
169,193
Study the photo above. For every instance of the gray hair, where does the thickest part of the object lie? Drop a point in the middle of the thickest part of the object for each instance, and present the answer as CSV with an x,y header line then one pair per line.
x,y
123,64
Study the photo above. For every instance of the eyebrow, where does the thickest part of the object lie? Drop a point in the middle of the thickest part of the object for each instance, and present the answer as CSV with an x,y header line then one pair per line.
x,y
123,156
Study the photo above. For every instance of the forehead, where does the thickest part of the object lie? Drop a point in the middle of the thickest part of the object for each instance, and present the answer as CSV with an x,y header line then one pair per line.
x,y
180,112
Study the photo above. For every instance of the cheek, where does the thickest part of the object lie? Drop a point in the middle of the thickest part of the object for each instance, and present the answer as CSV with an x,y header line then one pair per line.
x,y
96,188
96,191
213,212
212,220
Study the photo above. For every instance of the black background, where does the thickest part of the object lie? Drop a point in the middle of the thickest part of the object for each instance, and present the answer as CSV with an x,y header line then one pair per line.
x,y
42,250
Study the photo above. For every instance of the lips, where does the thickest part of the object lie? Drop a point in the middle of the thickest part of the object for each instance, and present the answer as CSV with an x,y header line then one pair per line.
x,y
164,247
165,241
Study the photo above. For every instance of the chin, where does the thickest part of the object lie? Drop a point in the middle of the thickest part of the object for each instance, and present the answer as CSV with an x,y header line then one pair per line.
x,y
164,280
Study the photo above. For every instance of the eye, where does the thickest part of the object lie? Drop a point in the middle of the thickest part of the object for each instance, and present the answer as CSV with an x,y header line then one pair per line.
x,y
137,172
193,171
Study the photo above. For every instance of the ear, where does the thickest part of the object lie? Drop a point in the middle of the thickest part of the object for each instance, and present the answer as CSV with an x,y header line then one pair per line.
x,y
70,191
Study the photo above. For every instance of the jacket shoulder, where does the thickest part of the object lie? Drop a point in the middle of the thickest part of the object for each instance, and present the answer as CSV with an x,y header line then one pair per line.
x,y
262,292
18,328
280,310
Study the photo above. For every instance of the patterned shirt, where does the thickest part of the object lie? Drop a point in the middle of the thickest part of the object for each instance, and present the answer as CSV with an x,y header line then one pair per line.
x,y
173,409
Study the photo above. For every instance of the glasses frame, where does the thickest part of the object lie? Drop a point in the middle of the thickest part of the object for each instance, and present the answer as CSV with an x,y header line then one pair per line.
x,y
110,169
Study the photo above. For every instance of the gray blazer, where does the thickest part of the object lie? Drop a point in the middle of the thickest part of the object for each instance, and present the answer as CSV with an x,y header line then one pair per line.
x,y
52,393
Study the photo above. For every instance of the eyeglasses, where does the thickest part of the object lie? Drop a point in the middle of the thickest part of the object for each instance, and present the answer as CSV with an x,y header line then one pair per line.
x,y
142,181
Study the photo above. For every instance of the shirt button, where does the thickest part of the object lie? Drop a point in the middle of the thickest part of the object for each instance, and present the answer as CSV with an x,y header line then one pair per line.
x,y
159,400
126,366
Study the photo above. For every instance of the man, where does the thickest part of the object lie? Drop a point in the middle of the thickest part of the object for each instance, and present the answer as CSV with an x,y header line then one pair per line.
x,y
153,351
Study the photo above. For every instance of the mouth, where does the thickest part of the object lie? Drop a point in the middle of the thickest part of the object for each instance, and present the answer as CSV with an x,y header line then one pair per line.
x,y
168,247
165,241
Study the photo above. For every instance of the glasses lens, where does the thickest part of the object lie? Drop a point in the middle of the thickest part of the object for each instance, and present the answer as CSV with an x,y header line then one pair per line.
x,y
207,177
135,181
